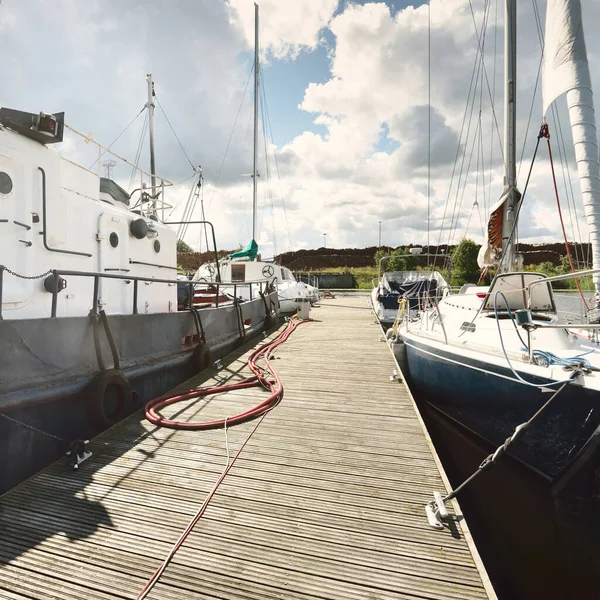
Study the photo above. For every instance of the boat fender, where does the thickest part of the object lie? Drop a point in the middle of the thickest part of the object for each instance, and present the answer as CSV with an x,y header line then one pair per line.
x,y
268,323
202,357
108,398
138,228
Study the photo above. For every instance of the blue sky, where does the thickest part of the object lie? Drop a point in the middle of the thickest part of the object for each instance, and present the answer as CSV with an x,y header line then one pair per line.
x,y
286,81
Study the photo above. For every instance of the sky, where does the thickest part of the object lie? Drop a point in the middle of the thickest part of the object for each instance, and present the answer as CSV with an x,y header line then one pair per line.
x,y
360,98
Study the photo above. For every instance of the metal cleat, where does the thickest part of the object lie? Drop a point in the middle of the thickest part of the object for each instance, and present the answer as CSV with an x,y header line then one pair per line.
x,y
436,511
440,506
394,375
433,518
78,453
218,365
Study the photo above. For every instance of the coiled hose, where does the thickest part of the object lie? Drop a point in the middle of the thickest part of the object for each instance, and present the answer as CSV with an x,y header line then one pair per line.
x,y
264,376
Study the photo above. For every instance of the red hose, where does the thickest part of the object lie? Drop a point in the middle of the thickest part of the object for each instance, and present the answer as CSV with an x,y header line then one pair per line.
x,y
259,378
263,376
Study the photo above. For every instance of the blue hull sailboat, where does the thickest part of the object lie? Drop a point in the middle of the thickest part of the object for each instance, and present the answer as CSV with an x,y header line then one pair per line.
x,y
493,358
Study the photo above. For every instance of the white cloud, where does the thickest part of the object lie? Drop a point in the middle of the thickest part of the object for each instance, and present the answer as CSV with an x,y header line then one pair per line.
x,y
286,27
365,161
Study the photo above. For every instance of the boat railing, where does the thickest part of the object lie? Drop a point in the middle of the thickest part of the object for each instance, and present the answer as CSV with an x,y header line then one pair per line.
x,y
56,286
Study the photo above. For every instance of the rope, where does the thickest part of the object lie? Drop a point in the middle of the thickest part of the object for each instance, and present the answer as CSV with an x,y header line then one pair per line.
x,y
32,428
490,460
545,132
515,373
260,378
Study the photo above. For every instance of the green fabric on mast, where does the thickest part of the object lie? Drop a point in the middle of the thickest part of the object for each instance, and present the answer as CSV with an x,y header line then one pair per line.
x,y
251,251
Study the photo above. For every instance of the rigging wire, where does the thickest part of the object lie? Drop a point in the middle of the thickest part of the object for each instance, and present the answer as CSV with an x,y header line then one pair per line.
x,y
483,30
214,187
428,123
138,153
174,133
456,158
562,153
487,208
547,136
117,138
267,166
277,167
479,62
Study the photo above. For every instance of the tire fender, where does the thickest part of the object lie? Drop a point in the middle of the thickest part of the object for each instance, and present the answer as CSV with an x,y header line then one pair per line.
x,y
107,385
202,358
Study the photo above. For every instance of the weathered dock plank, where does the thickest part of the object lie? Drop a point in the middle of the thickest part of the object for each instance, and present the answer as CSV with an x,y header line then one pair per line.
x,y
326,500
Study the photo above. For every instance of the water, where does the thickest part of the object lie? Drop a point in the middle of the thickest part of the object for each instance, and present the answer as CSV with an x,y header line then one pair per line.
x,y
570,307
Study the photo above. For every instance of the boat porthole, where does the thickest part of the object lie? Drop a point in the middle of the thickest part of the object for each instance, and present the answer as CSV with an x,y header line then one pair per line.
x,y
6,184
114,239
156,246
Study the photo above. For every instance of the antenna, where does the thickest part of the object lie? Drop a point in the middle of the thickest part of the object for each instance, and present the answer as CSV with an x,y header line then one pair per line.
x,y
108,165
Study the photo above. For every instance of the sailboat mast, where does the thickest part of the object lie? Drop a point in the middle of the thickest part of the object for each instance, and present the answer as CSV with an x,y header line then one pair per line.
x,y
510,160
150,107
254,171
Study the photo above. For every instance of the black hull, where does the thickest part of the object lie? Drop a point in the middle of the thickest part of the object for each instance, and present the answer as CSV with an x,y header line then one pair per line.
x,y
48,364
489,401
536,512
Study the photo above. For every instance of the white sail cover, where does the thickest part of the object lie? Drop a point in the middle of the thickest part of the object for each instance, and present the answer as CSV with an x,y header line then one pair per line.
x,y
566,69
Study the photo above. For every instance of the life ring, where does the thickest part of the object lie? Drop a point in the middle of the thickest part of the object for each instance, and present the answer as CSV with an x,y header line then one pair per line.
x,y
108,398
202,357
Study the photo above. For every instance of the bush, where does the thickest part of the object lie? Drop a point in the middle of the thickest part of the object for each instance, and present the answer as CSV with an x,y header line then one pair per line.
x,y
183,247
400,260
464,267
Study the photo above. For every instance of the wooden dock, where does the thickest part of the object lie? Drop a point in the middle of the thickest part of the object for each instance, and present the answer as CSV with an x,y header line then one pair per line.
x,y
326,500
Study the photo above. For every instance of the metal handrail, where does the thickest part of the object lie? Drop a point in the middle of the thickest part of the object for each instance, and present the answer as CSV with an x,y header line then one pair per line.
x,y
56,273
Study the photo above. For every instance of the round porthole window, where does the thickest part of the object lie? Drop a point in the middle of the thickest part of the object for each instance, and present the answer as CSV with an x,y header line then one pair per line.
x,y
156,246
114,239
6,184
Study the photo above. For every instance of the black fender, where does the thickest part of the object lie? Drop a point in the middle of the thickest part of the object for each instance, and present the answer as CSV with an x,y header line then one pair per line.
x,y
202,358
108,398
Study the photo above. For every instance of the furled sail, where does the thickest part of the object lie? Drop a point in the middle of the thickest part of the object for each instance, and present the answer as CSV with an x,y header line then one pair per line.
x,y
566,70
491,249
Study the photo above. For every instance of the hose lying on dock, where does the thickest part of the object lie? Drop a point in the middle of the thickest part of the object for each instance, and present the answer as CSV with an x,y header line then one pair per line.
x,y
260,378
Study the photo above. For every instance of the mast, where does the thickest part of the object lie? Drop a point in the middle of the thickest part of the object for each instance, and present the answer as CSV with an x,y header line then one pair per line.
x,y
510,172
150,107
254,173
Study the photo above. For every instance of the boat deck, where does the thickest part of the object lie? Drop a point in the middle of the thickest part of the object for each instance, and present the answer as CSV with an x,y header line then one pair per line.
x,y
326,500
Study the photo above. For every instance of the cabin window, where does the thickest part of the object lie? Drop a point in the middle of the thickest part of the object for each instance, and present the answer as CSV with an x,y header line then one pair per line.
x,y
6,184
238,272
285,274
156,246
113,239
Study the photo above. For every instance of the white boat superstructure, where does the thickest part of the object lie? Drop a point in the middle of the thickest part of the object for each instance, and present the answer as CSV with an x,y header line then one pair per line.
x,y
236,273
56,214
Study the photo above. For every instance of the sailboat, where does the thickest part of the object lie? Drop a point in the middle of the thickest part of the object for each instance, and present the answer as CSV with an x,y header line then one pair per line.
x,y
245,266
489,358
90,327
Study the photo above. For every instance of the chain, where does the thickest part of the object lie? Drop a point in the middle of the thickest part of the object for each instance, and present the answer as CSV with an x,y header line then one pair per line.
x,y
32,428
28,276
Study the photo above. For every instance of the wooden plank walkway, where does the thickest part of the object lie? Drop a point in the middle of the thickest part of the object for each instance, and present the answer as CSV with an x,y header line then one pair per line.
x,y
326,500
